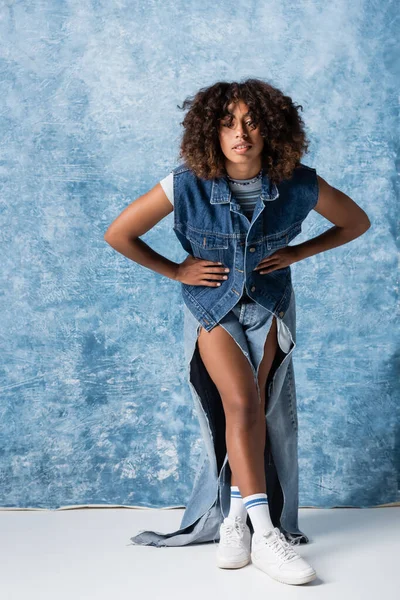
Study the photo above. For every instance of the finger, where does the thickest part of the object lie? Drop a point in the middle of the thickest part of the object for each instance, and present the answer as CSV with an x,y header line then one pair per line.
x,y
267,261
264,263
270,269
209,262
215,270
271,265
209,283
217,276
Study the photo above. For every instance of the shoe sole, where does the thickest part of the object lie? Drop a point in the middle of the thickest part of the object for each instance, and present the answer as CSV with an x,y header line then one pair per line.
x,y
224,563
298,581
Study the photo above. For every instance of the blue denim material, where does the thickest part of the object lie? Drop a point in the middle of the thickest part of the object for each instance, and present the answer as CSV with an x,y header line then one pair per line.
x,y
210,224
228,236
209,501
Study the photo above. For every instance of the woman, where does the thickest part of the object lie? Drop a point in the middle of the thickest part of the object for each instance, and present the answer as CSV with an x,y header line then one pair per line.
x,y
239,198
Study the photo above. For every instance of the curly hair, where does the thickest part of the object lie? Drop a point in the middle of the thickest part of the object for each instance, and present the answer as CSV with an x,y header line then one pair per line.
x,y
281,126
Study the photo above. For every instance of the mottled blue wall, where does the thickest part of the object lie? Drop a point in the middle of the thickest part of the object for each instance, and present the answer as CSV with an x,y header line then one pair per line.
x,y
95,407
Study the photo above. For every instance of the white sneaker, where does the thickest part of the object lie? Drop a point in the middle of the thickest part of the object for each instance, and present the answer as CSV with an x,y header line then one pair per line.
x,y
272,553
234,544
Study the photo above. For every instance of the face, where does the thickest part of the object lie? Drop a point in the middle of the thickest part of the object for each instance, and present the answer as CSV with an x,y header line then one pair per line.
x,y
236,128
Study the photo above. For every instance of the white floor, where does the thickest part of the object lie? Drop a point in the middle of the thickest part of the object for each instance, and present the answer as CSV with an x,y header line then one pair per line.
x,y
86,554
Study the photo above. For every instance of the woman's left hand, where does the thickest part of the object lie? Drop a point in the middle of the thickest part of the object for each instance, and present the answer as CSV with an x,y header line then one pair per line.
x,y
280,259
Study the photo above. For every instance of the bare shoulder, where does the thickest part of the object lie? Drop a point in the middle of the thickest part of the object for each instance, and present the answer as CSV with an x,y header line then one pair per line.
x,y
142,214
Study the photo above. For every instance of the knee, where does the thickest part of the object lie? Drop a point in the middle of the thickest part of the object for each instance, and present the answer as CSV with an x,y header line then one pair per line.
x,y
242,411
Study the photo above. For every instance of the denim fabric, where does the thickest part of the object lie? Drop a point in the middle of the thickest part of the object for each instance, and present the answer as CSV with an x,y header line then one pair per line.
x,y
211,225
208,504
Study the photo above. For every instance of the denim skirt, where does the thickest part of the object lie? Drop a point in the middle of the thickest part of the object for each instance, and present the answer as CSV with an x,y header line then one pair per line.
x,y
209,502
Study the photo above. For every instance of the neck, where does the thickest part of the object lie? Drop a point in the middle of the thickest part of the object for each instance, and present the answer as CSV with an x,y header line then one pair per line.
x,y
243,171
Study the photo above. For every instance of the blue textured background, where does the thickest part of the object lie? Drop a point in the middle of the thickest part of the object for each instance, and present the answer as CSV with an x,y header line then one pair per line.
x,y
95,408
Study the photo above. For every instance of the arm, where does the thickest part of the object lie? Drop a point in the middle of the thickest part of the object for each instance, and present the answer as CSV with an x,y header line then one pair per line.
x,y
135,220
350,221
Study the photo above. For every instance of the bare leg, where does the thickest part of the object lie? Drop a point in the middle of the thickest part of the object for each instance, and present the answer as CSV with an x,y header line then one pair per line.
x,y
270,348
245,418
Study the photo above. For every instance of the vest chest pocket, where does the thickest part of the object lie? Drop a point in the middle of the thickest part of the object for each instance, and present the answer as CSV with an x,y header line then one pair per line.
x,y
208,245
282,239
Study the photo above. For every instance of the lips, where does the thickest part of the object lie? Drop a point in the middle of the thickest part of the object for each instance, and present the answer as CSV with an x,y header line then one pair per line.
x,y
242,144
242,149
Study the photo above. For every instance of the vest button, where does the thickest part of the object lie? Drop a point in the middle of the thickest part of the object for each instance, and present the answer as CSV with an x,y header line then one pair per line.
x,y
252,249
253,289
281,313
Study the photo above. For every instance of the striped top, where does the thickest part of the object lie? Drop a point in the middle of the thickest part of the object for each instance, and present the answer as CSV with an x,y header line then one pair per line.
x,y
246,195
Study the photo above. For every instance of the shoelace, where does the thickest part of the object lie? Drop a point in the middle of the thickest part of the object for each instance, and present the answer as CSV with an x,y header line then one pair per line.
x,y
233,532
281,546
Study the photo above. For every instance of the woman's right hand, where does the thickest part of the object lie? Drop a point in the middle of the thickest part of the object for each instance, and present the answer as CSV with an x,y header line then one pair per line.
x,y
196,271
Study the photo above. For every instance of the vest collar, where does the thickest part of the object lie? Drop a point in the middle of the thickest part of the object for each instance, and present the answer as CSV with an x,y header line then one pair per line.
x,y
221,192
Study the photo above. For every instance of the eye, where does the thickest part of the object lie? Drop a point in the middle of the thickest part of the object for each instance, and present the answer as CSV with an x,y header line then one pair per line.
x,y
250,123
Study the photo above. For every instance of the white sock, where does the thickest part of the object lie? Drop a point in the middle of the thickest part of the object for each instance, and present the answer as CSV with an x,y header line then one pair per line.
x,y
258,509
237,508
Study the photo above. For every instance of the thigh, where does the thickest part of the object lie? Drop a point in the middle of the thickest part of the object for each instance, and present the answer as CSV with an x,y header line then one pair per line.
x,y
270,352
229,369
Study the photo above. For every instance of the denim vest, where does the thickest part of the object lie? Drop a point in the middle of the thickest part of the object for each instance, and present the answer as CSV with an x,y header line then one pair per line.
x,y
210,224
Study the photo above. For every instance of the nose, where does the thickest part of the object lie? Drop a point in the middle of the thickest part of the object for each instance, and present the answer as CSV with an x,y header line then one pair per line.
x,y
240,132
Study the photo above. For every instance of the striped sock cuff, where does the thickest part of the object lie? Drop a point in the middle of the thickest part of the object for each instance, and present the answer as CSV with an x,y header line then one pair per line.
x,y
235,492
255,500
